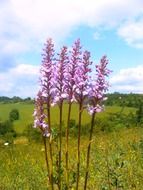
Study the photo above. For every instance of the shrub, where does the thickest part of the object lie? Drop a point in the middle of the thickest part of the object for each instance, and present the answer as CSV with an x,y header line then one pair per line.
x,y
32,134
6,127
14,115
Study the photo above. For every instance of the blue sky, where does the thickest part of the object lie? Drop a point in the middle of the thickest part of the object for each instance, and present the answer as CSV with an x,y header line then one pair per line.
x,y
113,27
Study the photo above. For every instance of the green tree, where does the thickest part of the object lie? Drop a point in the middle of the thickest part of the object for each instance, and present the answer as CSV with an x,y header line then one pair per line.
x,y
139,113
14,115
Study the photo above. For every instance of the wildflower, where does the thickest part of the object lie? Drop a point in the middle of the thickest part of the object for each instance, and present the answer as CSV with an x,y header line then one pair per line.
x,y
72,67
70,87
98,87
60,72
47,72
82,77
67,77
39,121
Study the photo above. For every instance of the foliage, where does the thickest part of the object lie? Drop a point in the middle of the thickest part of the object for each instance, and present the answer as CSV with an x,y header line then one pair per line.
x,y
120,99
32,135
6,127
15,99
116,121
7,131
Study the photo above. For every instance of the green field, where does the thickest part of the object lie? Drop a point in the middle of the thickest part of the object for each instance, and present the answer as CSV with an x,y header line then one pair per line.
x,y
116,157
26,111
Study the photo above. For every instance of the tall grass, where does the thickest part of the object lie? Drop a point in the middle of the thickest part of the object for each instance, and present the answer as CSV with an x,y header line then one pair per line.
x,y
112,155
116,162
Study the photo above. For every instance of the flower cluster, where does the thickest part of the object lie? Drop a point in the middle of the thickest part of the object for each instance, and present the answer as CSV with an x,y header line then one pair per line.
x,y
98,87
72,67
66,76
82,77
40,116
47,72
59,83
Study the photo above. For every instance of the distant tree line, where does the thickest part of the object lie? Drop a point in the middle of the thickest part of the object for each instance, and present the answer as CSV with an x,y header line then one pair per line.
x,y
127,100
114,99
15,99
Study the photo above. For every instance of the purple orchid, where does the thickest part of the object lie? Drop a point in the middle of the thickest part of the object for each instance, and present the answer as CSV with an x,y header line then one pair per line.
x,y
60,96
47,94
40,116
68,78
98,87
82,77
81,80
74,62
60,73
47,72
96,97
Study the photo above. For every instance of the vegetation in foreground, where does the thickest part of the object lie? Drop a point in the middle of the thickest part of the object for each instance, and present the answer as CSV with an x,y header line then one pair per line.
x,y
116,162
116,156
117,147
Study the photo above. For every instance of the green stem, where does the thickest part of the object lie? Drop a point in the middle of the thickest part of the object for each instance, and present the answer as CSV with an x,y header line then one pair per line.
x,y
50,146
47,160
67,146
78,146
108,171
60,144
88,151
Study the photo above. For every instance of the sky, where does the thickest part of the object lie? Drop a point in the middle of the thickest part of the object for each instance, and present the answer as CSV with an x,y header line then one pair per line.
x,y
106,27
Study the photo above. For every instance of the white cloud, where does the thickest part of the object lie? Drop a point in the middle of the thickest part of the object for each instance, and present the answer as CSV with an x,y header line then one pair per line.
x,y
13,46
132,32
21,80
25,70
128,80
29,22
25,24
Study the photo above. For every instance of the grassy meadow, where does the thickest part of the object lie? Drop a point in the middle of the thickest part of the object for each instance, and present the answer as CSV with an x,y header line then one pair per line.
x,y
116,157
26,111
